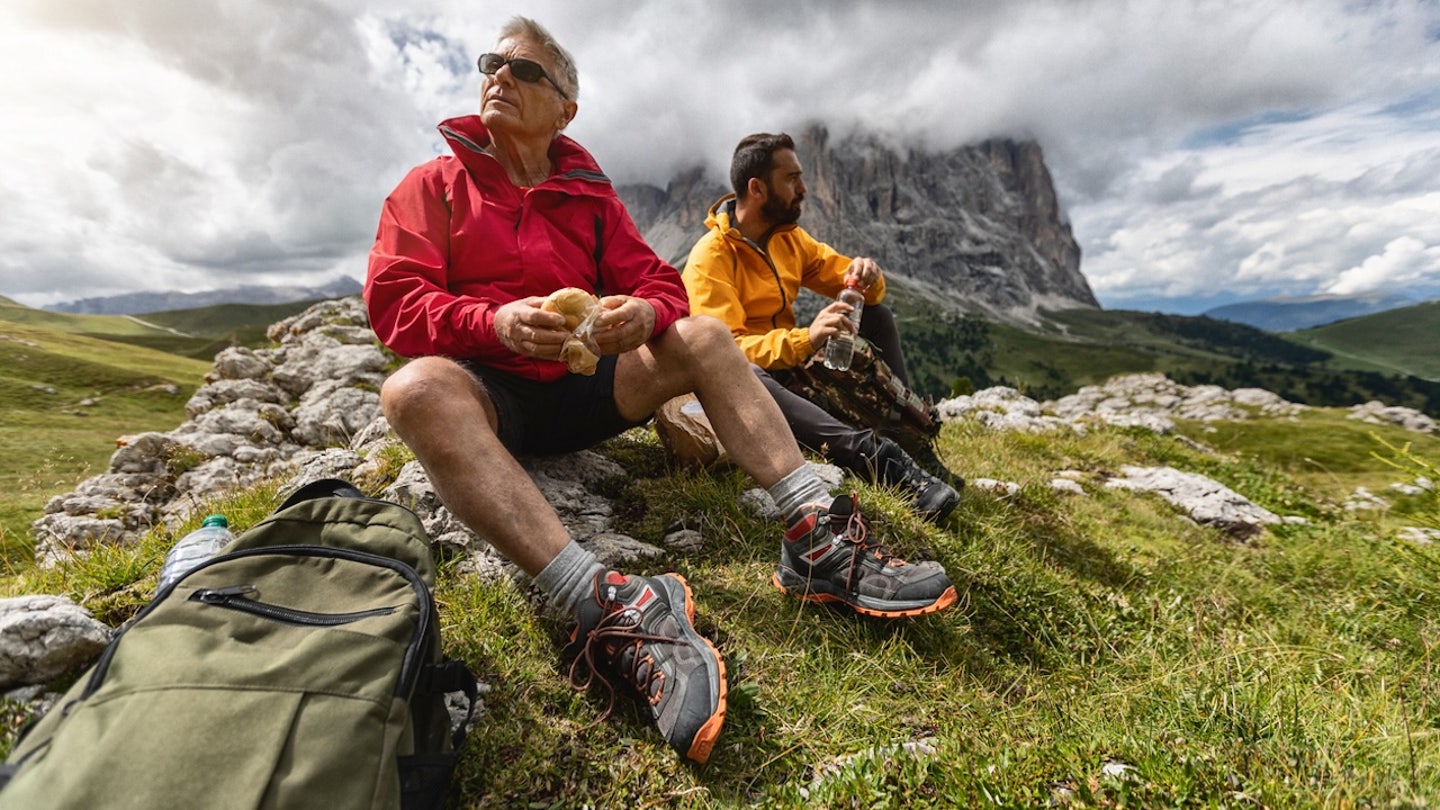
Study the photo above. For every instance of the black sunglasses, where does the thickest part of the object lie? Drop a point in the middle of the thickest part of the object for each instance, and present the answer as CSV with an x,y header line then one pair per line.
x,y
526,70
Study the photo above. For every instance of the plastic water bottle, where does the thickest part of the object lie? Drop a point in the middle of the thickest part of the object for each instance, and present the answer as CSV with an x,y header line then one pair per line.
x,y
840,348
195,547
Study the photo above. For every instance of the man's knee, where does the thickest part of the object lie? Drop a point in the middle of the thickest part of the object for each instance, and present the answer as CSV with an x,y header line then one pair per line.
x,y
424,381
698,337
879,319
704,329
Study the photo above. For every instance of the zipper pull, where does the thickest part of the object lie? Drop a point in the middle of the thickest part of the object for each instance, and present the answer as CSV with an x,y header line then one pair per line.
x,y
219,596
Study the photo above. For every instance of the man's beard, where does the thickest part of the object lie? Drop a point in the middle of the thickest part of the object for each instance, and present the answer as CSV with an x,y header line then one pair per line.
x,y
781,213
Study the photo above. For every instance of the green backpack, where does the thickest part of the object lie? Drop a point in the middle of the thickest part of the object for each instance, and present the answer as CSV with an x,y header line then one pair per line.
x,y
299,668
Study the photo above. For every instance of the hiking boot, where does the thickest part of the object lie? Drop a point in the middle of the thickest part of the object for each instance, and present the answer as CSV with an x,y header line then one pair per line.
x,y
640,628
829,556
934,499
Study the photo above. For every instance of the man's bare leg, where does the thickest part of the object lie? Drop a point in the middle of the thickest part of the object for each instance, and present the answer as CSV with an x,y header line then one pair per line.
x,y
443,414
699,355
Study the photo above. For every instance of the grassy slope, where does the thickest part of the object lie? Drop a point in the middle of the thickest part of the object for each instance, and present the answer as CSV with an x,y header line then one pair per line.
x,y
225,324
1400,341
1081,347
66,396
1296,671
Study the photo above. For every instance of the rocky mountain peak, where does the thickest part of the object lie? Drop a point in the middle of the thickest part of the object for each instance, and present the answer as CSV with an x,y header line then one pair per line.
x,y
978,227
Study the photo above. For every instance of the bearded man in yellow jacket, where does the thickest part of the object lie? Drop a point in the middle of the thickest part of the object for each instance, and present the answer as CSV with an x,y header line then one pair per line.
x,y
747,269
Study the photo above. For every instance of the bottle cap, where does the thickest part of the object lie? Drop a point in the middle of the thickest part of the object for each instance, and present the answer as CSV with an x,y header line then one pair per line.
x,y
215,520
853,282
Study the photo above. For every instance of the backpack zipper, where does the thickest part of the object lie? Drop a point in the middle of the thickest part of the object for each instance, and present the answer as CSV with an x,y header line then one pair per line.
x,y
410,667
241,598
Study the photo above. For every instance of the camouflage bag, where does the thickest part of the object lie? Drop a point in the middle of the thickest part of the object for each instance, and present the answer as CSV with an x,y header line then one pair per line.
x,y
869,394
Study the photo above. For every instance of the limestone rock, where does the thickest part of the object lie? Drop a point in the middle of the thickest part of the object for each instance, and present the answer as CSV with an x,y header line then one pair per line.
x,y
1205,500
1378,413
43,637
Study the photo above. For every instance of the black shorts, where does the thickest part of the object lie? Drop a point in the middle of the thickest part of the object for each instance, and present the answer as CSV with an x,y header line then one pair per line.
x,y
547,418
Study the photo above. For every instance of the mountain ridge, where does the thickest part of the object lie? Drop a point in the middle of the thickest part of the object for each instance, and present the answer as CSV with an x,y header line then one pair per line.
x,y
139,303
1294,313
978,228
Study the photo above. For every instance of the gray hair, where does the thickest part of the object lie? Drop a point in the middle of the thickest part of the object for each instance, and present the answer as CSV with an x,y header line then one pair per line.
x,y
527,28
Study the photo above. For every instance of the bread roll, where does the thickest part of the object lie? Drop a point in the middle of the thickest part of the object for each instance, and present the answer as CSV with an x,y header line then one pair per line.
x,y
575,304
572,302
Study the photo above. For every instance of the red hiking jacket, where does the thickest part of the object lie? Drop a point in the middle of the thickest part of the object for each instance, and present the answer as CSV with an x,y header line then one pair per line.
x,y
457,240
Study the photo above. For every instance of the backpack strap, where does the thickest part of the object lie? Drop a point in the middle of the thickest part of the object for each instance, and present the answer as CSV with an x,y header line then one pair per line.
x,y
425,777
451,675
324,488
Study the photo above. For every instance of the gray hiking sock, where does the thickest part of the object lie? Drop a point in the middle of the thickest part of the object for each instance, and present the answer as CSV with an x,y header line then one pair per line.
x,y
798,490
569,578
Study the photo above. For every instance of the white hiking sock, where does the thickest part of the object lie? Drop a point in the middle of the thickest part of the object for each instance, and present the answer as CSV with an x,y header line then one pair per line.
x,y
570,577
799,489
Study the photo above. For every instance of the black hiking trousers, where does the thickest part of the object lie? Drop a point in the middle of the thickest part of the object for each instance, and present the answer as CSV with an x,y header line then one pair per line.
x,y
814,428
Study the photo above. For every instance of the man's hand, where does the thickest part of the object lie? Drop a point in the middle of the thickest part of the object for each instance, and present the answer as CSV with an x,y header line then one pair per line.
x,y
830,321
864,269
624,324
526,329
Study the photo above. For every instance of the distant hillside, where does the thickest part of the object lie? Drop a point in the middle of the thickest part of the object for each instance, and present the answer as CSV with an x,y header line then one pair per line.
x,y
65,395
948,353
1399,341
135,303
225,324
196,333
1288,314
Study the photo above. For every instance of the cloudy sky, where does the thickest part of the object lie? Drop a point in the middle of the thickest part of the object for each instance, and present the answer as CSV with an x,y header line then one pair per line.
x,y
1206,151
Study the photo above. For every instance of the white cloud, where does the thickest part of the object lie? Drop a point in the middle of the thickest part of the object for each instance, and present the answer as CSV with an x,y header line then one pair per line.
x,y
1201,146
1276,208
1404,262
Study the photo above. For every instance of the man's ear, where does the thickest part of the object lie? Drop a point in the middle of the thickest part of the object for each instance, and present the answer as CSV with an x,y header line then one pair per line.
x,y
567,114
756,188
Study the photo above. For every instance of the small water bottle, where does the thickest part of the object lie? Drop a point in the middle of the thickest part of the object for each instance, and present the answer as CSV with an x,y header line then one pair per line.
x,y
194,548
840,348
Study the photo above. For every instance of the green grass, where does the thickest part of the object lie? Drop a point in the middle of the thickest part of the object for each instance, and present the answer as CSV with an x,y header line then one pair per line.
x,y
1093,632
1400,341
64,400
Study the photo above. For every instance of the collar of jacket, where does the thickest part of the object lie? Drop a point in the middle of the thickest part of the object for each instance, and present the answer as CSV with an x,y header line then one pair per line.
x,y
575,171
722,218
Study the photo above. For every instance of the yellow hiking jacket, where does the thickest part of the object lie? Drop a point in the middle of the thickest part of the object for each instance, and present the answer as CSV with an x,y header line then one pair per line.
x,y
752,287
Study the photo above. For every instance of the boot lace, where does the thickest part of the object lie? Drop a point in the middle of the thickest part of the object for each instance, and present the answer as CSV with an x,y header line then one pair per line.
x,y
862,545
618,640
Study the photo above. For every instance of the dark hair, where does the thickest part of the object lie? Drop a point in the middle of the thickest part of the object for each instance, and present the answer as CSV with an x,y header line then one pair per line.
x,y
755,157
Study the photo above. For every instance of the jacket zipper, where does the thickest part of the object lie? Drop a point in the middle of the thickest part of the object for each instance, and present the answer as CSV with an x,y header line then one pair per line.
x,y
774,272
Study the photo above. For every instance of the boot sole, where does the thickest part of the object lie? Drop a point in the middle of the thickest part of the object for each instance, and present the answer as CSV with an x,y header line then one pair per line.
x,y
800,590
709,731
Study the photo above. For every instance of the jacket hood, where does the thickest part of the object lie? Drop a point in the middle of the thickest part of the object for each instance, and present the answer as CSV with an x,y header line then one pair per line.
x,y
722,214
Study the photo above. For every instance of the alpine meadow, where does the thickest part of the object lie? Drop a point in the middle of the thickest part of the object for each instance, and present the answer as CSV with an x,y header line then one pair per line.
x,y
1108,649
